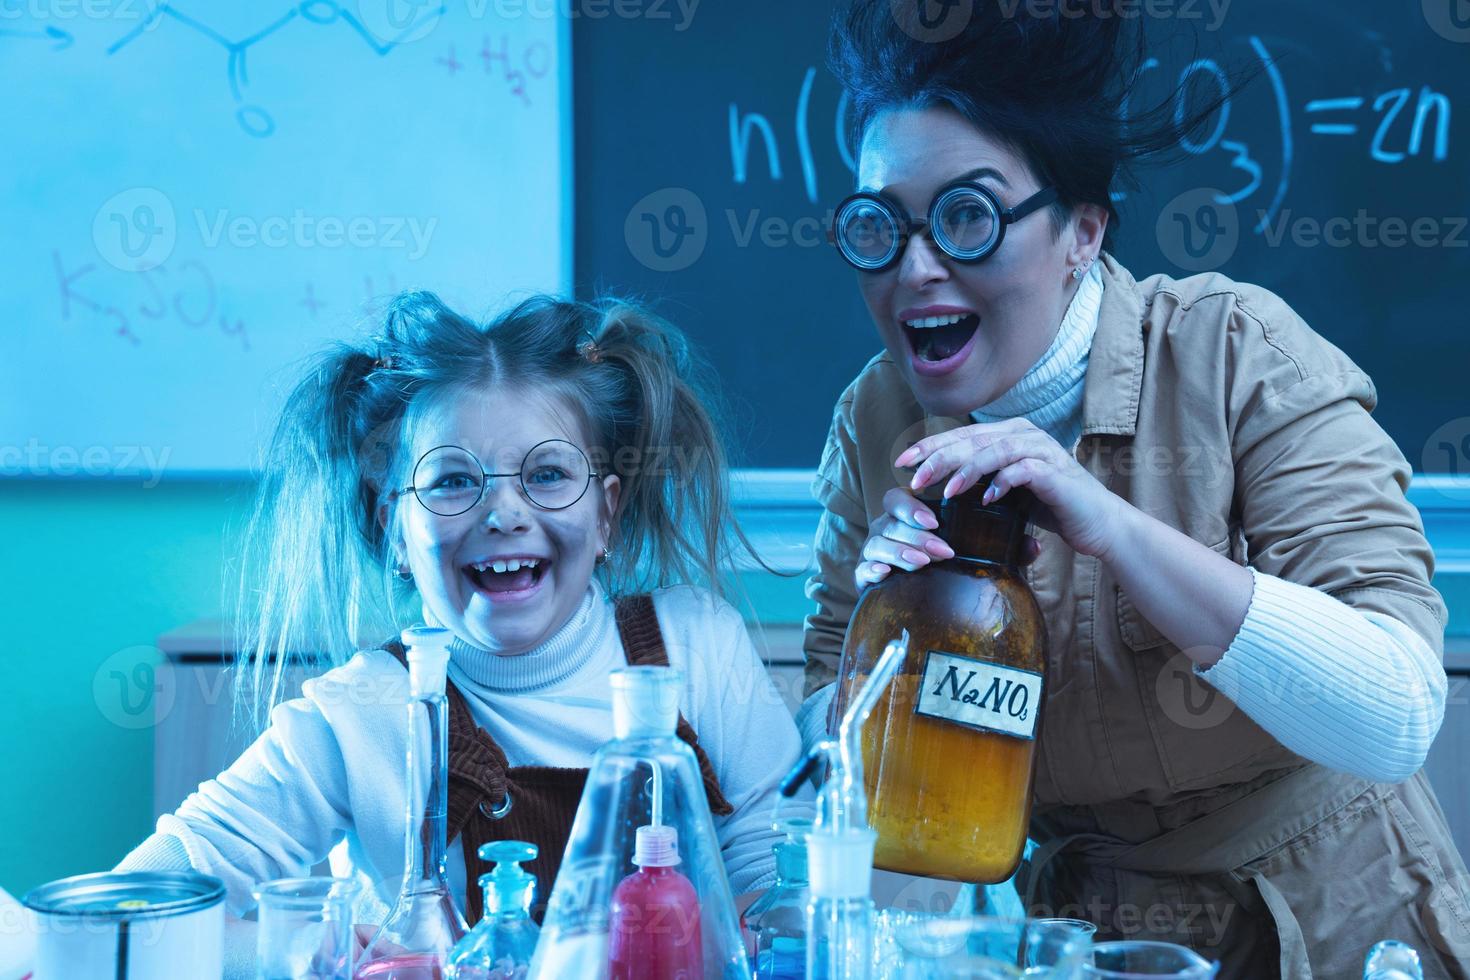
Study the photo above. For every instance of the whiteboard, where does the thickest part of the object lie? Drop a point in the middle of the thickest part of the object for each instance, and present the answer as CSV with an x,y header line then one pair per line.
x,y
199,195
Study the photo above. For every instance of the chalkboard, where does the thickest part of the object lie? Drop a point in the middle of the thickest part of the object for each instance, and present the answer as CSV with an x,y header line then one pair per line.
x,y
197,195
708,159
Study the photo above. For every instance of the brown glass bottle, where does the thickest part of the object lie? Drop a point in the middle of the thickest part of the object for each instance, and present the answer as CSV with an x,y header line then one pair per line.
x,y
949,752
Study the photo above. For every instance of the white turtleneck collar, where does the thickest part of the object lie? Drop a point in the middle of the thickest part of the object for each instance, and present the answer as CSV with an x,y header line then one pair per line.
x,y
567,651
1050,394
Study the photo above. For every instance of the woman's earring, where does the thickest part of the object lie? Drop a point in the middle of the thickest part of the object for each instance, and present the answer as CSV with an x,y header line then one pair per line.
x,y
403,573
605,556
1081,270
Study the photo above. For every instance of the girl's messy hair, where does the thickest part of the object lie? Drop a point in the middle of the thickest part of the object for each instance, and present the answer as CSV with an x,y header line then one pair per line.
x,y
318,579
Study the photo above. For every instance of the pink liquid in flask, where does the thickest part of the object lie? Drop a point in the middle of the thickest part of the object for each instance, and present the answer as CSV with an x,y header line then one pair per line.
x,y
414,966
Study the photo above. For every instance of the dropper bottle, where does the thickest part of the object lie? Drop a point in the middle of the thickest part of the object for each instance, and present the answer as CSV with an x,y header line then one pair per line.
x,y
501,945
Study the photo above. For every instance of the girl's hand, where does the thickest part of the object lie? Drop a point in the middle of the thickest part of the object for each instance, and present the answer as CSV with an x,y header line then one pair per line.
x,y
363,936
1071,502
901,538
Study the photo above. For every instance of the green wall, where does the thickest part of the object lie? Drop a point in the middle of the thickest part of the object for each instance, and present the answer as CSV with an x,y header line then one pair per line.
x,y
97,570
102,570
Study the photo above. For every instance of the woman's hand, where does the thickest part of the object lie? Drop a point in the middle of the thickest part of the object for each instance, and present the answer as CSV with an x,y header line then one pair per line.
x,y
901,538
1072,503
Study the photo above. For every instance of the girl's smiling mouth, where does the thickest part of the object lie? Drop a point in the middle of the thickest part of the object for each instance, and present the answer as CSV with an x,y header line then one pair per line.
x,y
507,578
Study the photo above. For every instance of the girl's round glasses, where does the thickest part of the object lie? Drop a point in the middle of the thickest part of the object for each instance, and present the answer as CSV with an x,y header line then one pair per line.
x,y
450,481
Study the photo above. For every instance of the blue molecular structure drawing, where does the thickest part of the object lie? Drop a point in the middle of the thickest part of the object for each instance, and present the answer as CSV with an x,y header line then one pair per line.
x,y
252,118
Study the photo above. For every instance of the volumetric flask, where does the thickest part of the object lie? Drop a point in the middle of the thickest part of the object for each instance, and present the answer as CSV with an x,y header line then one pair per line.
x,y
305,929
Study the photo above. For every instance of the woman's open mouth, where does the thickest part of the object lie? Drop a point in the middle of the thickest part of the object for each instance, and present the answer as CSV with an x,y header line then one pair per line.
x,y
939,343
503,579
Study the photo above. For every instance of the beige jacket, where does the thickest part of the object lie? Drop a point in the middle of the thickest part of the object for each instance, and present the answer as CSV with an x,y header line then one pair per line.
x,y
1213,407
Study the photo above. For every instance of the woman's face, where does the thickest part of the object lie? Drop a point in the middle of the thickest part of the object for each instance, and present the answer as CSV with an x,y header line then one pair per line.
x,y
506,612
1012,302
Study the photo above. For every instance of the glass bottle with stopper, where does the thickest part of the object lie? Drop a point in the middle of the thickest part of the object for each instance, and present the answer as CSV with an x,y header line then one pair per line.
x,y
501,945
416,939
951,748
776,922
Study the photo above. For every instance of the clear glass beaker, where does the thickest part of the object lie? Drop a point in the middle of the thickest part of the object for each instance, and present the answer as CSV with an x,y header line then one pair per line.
x,y
305,928
1141,960
984,948
1041,948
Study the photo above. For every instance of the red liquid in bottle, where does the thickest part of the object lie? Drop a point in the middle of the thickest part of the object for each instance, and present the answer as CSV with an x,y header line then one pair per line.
x,y
655,927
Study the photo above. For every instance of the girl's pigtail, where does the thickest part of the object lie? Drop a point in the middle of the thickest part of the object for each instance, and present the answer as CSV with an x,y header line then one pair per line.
x,y
676,519
303,579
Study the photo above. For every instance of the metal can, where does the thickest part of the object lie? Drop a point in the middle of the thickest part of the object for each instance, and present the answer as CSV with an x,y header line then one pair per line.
x,y
136,925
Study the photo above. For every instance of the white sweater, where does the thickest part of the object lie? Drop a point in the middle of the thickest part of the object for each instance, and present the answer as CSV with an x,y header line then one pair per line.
x,y
328,770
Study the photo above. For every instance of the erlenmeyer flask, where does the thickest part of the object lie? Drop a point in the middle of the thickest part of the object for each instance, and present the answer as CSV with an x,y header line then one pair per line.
x,y
415,941
671,893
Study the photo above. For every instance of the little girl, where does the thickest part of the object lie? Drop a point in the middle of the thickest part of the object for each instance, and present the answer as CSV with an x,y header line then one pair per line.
x,y
510,479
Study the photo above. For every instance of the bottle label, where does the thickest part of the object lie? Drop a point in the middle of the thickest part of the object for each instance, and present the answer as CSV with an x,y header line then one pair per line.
x,y
978,694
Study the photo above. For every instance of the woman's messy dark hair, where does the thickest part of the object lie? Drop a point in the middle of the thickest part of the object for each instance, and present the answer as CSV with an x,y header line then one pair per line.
x,y
1054,82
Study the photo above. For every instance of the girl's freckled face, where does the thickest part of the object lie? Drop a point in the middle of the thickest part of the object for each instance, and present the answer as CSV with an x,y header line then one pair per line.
x,y
509,613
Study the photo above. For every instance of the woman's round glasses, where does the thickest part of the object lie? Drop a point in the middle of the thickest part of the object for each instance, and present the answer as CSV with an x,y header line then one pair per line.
x,y
965,220
449,481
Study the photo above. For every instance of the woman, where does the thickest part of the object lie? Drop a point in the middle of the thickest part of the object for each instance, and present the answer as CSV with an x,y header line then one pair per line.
x,y
1218,509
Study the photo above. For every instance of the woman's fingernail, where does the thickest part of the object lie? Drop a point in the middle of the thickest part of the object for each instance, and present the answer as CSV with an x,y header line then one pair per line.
x,y
989,495
926,519
904,458
940,548
915,557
